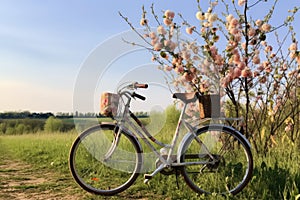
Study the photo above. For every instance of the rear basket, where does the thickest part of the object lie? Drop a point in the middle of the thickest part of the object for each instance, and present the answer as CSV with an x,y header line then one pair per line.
x,y
109,104
209,106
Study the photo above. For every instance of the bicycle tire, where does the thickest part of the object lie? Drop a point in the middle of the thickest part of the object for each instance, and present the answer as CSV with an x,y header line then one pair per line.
x,y
234,162
97,174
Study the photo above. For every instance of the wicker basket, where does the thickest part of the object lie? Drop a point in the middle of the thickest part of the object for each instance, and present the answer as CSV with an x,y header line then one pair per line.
x,y
109,104
209,106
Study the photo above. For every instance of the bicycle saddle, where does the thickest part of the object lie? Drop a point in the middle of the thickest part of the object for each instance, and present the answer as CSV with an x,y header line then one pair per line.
x,y
186,97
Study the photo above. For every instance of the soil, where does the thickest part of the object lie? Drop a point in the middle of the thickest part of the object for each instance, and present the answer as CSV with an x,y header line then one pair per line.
x,y
18,180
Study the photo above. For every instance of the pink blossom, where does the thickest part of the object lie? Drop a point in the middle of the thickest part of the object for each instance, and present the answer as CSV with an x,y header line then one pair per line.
x,y
263,79
172,46
237,72
298,60
258,22
168,68
219,60
256,59
293,47
234,22
246,72
268,49
236,58
157,46
243,45
154,41
260,68
242,65
186,55
143,22
251,32
256,73
212,18
161,30
167,43
266,27
293,55
213,51
188,77
169,14
167,21
241,2
233,31
268,69
152,35
179,69
190,30
264,43
229,18
200,15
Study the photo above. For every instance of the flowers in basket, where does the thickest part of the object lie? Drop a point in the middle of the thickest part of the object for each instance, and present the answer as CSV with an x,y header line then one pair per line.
x,y
109,104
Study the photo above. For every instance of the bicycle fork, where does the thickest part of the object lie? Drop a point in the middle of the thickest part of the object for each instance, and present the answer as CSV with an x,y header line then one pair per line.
x,y
115,142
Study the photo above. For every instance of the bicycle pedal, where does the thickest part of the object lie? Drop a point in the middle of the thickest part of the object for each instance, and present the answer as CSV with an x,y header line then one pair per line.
x,y
147,176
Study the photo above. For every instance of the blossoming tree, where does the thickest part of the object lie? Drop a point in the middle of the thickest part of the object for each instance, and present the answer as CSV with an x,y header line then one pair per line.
x,y
244,59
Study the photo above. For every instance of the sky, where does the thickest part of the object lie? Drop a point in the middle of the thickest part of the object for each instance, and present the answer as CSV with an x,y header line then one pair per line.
x,y
45,46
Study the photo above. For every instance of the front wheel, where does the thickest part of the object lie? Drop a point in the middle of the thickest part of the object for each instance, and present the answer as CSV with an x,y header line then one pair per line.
x,y
102,165
218,160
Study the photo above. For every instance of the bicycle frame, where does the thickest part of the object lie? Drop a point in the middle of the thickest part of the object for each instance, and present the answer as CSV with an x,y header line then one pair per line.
x,y
140,131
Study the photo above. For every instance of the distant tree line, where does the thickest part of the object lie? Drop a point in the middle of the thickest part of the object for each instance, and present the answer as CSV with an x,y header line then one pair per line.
x,y
14,123
60,115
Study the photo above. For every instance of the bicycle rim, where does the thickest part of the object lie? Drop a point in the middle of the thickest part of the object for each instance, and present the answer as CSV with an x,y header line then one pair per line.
x,y
99,173
227,161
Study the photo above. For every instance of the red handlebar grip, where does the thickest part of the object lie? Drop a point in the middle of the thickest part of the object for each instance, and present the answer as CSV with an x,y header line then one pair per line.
x,y
139,85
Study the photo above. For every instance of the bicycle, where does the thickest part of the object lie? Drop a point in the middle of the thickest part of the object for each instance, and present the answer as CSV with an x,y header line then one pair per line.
x,y
107,159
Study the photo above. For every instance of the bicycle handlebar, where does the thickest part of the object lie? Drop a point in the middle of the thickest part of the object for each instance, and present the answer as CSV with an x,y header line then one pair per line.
x,y
140,85
138,96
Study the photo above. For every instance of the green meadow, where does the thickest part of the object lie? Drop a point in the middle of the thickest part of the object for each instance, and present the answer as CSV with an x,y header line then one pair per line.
x,y
276,173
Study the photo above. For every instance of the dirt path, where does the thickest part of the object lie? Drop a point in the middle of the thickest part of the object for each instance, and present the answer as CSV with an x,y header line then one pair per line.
x,y
20,181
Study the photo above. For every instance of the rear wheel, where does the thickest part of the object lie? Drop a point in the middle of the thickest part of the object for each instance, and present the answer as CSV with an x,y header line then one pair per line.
x,y
100,167
226,160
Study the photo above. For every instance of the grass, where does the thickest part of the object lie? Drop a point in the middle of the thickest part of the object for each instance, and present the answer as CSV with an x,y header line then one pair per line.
x,y
276,175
